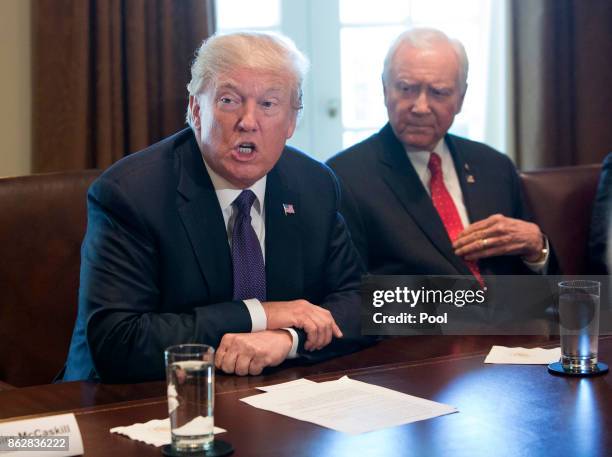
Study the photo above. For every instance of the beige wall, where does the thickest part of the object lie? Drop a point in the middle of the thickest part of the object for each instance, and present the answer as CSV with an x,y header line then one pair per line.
x,y
15,88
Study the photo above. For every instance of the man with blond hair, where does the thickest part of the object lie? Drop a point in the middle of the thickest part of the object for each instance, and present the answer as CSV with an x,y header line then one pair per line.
x,y
219,234
419,200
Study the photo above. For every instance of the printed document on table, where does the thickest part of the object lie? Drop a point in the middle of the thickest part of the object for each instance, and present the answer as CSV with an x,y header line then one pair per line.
x,y
287,385
348,406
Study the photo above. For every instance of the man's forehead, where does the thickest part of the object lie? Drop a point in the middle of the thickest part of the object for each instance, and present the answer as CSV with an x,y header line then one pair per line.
x,y
441,55
262,80
437,63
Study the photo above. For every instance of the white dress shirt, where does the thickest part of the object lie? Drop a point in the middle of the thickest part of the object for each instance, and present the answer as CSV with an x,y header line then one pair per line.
x,y
226,194
420,159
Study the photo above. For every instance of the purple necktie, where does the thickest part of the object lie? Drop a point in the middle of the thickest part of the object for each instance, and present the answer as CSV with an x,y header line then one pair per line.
x,y
249,269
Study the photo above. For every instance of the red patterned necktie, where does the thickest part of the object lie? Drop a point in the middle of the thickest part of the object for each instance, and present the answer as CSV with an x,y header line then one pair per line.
x,y
446,208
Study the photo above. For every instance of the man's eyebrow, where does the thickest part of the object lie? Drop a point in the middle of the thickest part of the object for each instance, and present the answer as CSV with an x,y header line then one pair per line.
x,y
226,85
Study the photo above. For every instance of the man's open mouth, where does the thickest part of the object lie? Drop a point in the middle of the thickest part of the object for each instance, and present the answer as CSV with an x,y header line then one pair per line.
x,y
246,148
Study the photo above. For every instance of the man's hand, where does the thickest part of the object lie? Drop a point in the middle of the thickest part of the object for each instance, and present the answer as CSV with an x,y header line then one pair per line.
x,y
500,235
317,322
250,353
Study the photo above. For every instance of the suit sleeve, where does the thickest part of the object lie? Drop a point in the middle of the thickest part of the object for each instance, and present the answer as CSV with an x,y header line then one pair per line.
x,y
119,292
343,272
600,222
349,210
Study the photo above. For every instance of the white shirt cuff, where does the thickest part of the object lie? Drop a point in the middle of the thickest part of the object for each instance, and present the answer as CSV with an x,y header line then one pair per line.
x,y
259,321
294,345
540,267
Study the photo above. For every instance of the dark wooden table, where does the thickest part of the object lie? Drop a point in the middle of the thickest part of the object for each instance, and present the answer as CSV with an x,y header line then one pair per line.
x,y
503,409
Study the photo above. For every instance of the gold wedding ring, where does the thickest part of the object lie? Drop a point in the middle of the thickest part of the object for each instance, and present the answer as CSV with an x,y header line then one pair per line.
x,y
484,242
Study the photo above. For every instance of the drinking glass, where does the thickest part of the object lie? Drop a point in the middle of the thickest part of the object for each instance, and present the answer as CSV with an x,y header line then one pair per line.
x,y
190,376
579,325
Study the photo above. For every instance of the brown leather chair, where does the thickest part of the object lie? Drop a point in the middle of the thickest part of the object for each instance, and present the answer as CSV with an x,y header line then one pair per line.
x,y
561,200
42,223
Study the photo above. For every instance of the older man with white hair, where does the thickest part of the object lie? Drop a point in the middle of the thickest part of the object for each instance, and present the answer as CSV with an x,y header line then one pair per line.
x,y
219,234
419,200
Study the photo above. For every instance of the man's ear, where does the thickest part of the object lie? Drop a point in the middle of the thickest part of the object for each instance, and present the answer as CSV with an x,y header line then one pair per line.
x,y
292,125
194,105
460,104
384,89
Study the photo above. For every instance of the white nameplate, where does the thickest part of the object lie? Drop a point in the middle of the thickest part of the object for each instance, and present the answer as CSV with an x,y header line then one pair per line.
x,y
51,436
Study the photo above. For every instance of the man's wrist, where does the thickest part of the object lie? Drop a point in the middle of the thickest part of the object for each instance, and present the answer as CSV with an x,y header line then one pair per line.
x,y
292,354
259,320
541,255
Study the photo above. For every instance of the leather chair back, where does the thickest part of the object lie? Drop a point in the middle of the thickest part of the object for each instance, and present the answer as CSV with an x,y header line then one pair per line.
x,y
42,223
561,201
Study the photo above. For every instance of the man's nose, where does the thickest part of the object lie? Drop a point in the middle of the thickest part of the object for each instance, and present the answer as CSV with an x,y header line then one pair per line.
x,y
248,117
421,103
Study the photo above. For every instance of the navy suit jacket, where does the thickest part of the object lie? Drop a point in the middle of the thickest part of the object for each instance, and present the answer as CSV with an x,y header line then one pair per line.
x,y
392,220
601,220
156,266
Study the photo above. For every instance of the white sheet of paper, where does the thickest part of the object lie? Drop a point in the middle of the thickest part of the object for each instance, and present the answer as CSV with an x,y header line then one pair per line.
x,y
45,427
348,406
287,385
523,356
155,432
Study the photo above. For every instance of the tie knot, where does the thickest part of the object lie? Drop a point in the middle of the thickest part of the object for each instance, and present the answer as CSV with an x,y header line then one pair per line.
x,y
244,201
435,164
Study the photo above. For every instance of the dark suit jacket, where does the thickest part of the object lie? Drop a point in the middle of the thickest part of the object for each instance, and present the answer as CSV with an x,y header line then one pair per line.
x,y
156,267
391,217
600,223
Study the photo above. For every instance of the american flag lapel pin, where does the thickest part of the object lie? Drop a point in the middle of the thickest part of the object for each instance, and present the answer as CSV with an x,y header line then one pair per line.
x,y
288,209
469,177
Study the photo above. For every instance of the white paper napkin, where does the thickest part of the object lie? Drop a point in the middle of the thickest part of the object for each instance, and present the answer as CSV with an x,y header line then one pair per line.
x,y
523,356
155,432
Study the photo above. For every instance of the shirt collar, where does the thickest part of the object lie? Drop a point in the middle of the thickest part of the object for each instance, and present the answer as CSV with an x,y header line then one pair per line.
x,y
227,192
422,157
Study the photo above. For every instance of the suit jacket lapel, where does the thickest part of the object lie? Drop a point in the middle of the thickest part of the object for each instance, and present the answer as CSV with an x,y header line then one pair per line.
x,y
284,269
401,177
201,215
473,189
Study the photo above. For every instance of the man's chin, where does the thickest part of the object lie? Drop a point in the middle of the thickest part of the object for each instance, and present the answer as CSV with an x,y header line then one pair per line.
x,y
245,176
419,142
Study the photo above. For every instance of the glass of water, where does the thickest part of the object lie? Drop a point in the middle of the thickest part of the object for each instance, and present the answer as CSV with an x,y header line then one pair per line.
x,y
190,375
579,325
